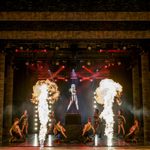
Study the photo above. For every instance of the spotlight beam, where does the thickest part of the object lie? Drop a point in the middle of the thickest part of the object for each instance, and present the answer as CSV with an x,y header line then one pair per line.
x,y
57,72
62,78
103,73
88,70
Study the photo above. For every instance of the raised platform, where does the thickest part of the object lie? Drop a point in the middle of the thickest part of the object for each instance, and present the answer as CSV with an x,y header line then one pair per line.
x,y
73,127
72,119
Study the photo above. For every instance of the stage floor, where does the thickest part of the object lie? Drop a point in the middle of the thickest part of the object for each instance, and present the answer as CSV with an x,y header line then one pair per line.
x,y
77,148
51,143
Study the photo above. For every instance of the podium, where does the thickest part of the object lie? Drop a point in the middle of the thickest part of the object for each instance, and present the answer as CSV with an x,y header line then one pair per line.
x,y
72,119
73,127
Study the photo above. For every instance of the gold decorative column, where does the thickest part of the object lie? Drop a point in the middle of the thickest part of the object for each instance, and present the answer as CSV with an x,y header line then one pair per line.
x,y
2,81
146,95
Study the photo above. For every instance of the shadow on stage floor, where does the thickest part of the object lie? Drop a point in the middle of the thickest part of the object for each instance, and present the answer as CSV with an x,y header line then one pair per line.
x,y
51,141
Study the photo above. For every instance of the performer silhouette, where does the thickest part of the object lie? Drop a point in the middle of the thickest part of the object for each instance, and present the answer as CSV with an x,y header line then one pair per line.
x,y
73,98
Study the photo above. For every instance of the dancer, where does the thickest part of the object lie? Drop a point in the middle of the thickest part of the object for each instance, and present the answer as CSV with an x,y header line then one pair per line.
x,y
59,129
73,97
87,130
134,131
24,120
121,121
15,132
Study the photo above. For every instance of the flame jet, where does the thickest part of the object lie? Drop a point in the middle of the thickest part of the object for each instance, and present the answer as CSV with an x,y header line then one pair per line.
x,y
105,95
44,91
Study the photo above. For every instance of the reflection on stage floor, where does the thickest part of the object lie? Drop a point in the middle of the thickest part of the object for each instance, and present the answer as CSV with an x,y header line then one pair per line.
x,y
51,141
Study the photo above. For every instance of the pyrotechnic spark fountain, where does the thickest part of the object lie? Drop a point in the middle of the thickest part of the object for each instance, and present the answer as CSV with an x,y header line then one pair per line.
x,y
43,92
105,95
43,113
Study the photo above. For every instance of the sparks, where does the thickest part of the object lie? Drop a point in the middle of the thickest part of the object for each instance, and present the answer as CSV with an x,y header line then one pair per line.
x,y
105,95
43,92
43,113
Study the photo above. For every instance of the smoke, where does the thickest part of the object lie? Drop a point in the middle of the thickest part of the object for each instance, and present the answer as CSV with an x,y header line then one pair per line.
x,y
43,112
44,91
105,95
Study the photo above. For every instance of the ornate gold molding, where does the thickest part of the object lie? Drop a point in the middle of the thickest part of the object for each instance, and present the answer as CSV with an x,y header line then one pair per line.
x,y
74,16
73,35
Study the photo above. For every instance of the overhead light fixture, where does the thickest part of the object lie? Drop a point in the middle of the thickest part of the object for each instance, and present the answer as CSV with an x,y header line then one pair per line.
x,y
124,48
57,63
21,47
119,63
57,48
88,63
89,48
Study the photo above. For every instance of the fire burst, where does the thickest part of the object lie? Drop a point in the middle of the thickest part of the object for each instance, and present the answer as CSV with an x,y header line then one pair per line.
x,y
105,94
43,92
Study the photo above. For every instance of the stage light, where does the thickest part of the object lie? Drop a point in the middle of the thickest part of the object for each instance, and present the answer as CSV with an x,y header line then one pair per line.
x,y
57,63
35,142
94,102
88,63
50,102
81,61
16,50
119,63
36,115
57,48
32,64
36,106
101,50
91,80
44,50
81,80
97,70
35,124
66,80
96,140
49,140
95,106
89,48
27,63
105,66
35,128
63,66
124,48
83,66
35,119
21,47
